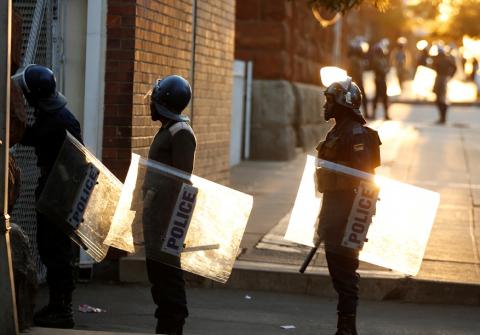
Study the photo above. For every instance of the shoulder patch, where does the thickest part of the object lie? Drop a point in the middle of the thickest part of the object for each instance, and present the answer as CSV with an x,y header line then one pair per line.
x,y
357,130
179,126
358,147
374,134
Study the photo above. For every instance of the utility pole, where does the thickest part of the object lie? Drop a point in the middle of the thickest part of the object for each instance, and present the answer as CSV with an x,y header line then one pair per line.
x,y
8,310
337,42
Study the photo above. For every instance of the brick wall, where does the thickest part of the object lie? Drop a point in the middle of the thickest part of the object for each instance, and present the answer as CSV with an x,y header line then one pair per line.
x,y
283,39
162,47
213,87
157,41
119,72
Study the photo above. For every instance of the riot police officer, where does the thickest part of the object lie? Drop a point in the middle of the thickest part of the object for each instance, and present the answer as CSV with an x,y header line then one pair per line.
x,y
400,60
46,135
380,65
357,64
352,144
174,145
445,67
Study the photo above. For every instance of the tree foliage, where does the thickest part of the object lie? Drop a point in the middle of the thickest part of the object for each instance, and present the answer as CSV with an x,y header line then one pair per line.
x,y
366,21
464,21
344,6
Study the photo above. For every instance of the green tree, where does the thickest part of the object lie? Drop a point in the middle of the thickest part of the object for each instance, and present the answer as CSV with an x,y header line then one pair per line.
x,y
464,21
345,5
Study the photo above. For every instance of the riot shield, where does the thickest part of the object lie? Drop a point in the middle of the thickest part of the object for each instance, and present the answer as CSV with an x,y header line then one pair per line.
x,y
386,221
81,195
423,82
179,219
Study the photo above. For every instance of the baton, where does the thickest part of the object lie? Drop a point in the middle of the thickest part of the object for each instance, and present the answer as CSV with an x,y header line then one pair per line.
x,y
308,259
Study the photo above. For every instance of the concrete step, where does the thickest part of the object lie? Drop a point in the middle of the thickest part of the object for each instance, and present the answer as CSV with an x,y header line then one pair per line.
x,y
374,285
50,331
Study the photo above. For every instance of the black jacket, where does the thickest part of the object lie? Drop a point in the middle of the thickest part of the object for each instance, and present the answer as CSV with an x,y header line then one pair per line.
x,y
350,144
48,132
173,145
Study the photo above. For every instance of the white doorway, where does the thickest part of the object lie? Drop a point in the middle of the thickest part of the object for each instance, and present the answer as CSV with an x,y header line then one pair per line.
x,y
241,112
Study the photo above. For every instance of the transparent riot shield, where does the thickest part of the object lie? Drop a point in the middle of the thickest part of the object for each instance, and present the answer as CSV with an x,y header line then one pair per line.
x,y
81,195
423,82
179,219
388,222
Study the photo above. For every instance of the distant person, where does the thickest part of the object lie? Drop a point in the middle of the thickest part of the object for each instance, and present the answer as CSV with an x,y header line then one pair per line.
x,y
380,65
475,77
444,66
400,60
357,64
474,69
423,55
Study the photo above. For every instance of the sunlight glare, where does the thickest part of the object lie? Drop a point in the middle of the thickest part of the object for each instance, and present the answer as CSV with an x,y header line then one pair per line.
x,y
398,234
423,82
331,74
422,44
445,9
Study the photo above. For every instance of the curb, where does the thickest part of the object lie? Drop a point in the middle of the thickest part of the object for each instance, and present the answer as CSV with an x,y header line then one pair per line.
x,y
374,285
426,102
49,331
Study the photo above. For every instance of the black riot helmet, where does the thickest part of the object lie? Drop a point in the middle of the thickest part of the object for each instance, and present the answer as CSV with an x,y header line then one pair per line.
x,y
170,96
36,82
344,93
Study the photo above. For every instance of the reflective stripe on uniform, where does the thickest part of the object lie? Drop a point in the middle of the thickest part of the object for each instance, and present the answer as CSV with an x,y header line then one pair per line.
x,y
179,126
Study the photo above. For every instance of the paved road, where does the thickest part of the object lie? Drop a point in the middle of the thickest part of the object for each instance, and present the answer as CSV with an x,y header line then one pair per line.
x,y
229,312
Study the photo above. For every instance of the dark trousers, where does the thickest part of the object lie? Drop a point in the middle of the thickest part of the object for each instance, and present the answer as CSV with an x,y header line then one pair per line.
x,y
380,96
442,111
56,252
168,292
364,101
345,280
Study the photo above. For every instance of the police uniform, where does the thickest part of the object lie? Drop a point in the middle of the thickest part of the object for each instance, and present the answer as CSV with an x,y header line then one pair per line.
x,y
380,67
173,145
352,144
357,65
56,250
445,67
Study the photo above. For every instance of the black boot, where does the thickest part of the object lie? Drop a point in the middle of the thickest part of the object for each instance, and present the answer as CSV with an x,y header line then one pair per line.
x,y
346,324
57,314
168,329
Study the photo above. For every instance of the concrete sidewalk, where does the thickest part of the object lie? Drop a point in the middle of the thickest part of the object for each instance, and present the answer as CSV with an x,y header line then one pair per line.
x,y
444,159
440,158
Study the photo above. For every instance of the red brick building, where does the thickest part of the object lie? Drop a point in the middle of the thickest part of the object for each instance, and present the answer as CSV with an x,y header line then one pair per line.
x,y
288,47
148,39
283,39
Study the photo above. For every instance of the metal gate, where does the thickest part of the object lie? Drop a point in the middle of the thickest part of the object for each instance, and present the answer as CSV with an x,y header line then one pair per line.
x,y
37,21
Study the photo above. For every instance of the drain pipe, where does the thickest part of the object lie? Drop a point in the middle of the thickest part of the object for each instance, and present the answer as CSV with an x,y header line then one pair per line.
x,y
192,62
